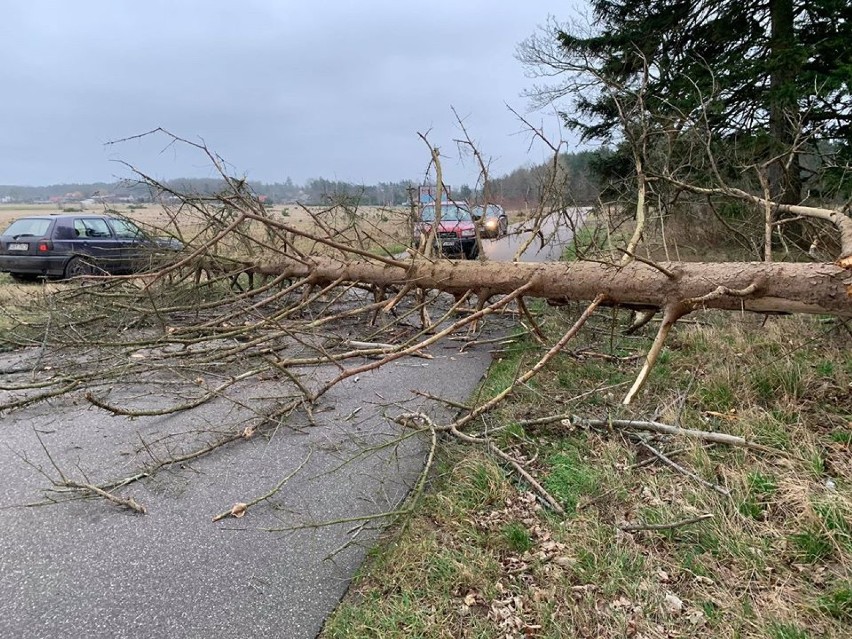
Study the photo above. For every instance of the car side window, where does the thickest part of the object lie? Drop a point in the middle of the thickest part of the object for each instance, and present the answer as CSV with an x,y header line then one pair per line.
x,y
63,231
91,227
126,230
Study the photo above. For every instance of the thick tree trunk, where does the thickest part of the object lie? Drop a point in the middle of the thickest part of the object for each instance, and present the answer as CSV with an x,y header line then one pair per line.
x,y
784,175
751,286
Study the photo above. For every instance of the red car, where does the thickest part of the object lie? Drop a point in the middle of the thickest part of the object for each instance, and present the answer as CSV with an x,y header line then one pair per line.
x,y
456,234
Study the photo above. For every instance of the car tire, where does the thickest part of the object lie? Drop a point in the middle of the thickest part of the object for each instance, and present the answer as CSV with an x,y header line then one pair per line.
x,y
473,252
78,267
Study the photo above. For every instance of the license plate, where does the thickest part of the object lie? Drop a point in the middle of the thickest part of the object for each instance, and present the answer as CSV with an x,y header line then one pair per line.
x,y
448,243
18,246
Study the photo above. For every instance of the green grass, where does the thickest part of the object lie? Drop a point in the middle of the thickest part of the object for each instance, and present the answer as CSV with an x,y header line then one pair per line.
x,y
837,603
787,631
825,369
612,567
760,488
507,366
749,571
773,430
835,522
816,464
476,483
394,248
586,239
811,546
717,395
786,379
517,537
569,478
842,437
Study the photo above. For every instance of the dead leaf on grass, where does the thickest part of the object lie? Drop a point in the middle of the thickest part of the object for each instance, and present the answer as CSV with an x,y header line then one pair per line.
x,y
673,604
696,618
726,416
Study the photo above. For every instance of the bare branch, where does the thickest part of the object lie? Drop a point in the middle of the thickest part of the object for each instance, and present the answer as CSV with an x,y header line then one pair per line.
x,y
667,526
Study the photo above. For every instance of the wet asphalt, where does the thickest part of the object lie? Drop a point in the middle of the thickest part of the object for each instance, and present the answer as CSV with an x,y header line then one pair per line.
x,y
87,568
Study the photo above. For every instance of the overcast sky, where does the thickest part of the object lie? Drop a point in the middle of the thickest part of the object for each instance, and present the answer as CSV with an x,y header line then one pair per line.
x,y
329,88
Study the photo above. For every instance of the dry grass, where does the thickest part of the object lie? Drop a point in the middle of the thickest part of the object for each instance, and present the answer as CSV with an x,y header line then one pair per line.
x,y
381,224
484,560
374,229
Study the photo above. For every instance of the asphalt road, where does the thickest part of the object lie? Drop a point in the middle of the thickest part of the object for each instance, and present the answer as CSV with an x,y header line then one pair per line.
x,y
87,568
546,246
90,569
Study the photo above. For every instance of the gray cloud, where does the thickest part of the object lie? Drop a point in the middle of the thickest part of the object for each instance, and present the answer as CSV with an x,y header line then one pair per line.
x,y
333,89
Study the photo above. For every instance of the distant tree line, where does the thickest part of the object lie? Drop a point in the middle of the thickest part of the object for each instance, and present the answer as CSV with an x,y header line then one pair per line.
x,y
576,176
523,186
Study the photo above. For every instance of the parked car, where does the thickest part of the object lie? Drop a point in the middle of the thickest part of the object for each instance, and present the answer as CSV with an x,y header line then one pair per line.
x,y
496,222
70,245
455,235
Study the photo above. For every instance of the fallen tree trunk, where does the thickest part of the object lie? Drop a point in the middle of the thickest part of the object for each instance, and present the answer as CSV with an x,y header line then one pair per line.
x,y
682,286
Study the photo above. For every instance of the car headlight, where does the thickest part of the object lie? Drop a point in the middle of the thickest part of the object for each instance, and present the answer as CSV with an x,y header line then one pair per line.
x,y
469,233
491,223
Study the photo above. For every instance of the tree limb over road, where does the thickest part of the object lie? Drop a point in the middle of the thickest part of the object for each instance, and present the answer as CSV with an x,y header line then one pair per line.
x,y
776,287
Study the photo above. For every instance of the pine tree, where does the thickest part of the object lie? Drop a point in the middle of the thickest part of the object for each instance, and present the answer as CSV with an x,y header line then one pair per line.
x,y
768,71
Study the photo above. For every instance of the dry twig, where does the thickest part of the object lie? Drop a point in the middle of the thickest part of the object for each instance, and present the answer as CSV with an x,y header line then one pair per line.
x,y
666,526
239,509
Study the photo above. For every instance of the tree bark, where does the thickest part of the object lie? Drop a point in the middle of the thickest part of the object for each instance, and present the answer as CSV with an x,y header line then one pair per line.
x,y
750,286
784,178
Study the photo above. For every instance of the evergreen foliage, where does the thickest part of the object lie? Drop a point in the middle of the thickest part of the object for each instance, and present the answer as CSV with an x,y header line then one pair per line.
x,y
759,74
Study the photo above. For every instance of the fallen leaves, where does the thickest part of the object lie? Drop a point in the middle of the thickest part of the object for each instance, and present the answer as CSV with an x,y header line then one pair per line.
x,y
508,614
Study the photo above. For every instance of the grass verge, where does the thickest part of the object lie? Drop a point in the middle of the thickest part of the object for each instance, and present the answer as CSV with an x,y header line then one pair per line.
x,y
483,558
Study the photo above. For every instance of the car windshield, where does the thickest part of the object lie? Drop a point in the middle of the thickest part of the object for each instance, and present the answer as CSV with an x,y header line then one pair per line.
x,y
35,227
449,213
491,211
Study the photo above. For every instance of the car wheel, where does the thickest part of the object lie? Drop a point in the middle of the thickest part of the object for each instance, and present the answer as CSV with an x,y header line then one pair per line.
x,y
473,252
78,267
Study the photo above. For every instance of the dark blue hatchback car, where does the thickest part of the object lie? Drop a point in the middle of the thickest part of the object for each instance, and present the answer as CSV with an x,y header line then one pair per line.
x,y
70,245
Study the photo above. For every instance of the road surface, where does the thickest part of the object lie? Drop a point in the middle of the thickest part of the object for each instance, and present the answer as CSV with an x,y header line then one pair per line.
x,y
547,245
88,568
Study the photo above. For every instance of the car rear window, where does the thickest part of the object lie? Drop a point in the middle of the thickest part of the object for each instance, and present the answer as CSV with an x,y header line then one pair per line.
x,y
28,227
